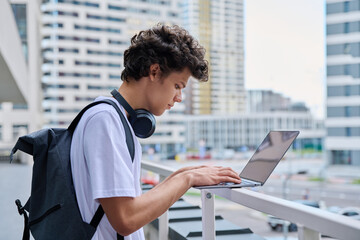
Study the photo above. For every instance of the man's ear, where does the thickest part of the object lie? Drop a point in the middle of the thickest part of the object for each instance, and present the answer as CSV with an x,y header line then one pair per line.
x,y
155,72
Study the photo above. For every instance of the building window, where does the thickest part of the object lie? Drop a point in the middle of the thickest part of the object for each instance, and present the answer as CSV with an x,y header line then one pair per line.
x,y
347,69
346,27
343,132
20,106
111,76
20,16
118,8
61,13
107,18
347,90
63,110
98,29
347,111
68,50
346,6
59,98
117,42
47,61
87,4
84,99
340,157
77,39
54,25
60,86
80,75
96,87
347,48
97,64
109,53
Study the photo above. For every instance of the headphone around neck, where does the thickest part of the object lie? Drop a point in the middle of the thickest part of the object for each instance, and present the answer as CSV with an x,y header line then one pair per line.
x,y
142,121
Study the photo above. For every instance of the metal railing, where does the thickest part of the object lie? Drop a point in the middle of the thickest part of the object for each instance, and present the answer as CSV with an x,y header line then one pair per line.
x,y
311,222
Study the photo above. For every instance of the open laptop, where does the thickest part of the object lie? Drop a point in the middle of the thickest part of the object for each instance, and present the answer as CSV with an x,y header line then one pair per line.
x,y
263,162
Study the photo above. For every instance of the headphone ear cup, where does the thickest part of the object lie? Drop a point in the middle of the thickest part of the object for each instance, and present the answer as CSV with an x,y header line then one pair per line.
x,y
144,125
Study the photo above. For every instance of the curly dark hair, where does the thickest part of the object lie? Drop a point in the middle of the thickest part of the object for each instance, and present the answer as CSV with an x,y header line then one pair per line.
x,y
173,48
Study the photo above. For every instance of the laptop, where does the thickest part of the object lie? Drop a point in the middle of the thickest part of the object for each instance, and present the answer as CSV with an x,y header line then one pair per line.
x,y
264,160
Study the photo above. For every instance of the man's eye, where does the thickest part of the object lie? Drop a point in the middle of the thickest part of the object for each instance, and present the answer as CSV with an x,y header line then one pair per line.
x,y
177,86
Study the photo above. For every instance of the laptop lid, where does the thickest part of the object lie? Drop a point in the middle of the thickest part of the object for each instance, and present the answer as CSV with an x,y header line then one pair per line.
x,y
268,155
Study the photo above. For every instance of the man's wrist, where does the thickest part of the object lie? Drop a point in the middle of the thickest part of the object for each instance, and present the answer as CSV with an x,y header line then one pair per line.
x,y
189,177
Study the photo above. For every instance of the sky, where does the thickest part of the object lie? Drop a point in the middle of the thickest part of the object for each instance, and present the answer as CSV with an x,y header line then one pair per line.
x,y
285,49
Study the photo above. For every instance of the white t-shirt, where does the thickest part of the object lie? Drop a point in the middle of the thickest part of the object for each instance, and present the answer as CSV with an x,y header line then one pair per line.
x,y
101,164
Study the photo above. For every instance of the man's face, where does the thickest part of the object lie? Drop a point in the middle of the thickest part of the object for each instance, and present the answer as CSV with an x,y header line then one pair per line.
x,y
165,91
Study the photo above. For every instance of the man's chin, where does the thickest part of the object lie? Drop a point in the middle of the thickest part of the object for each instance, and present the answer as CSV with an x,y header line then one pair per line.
x,y
158,113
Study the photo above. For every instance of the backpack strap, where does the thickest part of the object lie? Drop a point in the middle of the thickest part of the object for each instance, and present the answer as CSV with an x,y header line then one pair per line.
x,y
128,134
97,218
129,142
21,209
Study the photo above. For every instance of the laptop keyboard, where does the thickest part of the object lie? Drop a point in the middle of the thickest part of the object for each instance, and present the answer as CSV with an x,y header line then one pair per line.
x,y
243,181
246,181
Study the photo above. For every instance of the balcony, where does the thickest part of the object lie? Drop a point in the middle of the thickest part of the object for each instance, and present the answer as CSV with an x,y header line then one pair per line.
x,y
311,222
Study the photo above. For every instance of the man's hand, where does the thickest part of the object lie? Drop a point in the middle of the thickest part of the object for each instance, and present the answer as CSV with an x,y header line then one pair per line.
x,y
211,175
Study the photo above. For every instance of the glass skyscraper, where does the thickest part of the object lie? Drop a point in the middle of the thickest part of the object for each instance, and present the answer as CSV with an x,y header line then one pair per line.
x,y
219,26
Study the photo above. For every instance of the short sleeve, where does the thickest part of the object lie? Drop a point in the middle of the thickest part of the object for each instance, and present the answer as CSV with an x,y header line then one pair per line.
x,y
107,156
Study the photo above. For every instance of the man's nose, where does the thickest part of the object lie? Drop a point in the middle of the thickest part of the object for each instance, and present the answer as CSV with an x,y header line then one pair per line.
x,y
178,96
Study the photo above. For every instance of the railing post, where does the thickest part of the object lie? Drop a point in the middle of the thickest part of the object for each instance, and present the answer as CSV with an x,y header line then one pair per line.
x,y
305,233
208,215
164,222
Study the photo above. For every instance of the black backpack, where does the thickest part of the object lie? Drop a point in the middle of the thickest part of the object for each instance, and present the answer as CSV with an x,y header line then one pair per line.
x,y
52,206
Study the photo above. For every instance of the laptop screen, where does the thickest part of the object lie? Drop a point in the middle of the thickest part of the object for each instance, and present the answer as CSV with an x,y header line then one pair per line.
x,y
268,155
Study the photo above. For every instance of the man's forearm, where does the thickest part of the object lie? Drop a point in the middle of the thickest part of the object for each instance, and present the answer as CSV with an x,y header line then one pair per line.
x,y
126,215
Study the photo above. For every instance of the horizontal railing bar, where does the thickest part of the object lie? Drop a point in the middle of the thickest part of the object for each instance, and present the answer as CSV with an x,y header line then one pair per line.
x,y
316,219
325,222
157,168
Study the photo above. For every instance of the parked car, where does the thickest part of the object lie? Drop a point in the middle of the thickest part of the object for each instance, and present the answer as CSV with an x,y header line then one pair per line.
x,y
276,224
352,212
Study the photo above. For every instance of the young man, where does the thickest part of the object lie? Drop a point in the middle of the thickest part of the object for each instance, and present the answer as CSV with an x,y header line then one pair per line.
x,y
157,64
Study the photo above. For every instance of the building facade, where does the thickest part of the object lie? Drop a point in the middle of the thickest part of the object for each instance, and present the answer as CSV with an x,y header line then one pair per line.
x,y
219,26
248,130
83,44
269,101
20,60
343,82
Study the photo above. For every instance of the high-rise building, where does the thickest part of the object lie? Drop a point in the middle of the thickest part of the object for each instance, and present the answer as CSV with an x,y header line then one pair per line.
x,y
343,82
83,44
20,88
219,27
